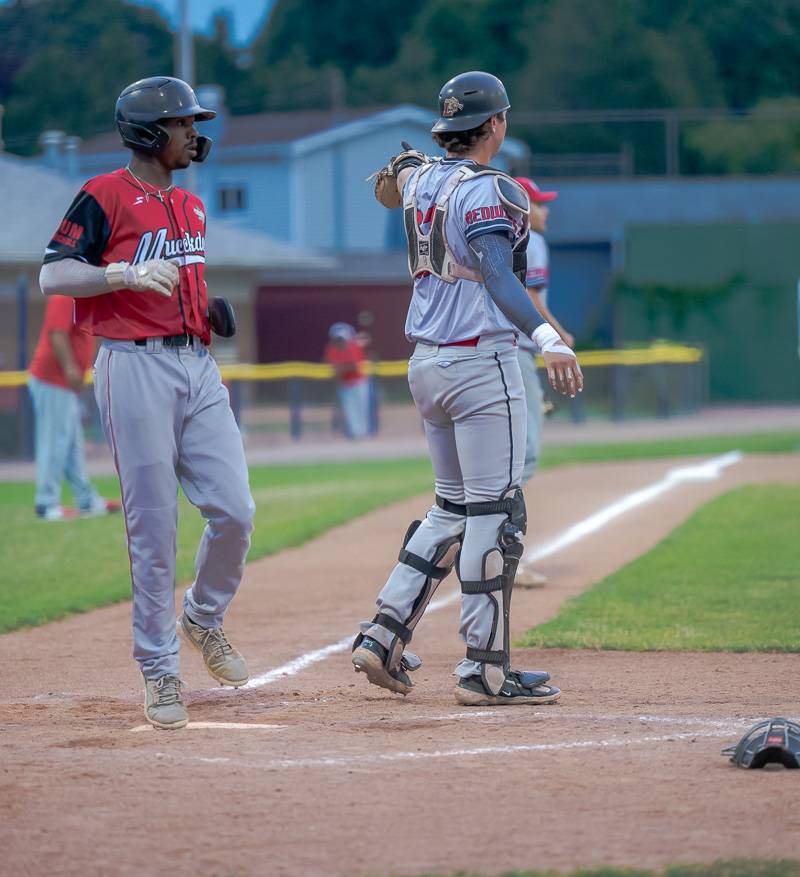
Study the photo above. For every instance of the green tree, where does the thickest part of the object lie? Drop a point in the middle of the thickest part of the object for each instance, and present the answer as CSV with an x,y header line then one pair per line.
x,y
65,61
748,146
70,60
345,33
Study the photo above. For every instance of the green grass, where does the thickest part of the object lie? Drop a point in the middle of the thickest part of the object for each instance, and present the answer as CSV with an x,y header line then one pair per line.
x,y
52,570
726,579
719,868
755,443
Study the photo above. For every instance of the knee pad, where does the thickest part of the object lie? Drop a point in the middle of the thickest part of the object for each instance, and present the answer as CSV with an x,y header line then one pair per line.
x,y
433,571
498,569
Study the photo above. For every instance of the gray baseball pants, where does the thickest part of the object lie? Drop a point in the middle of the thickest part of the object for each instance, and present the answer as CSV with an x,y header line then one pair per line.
x,y
168,421
534,400
472,404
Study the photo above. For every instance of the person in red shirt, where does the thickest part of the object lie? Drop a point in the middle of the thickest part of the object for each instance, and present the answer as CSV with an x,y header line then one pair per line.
x,y
131,250
346,356
60,361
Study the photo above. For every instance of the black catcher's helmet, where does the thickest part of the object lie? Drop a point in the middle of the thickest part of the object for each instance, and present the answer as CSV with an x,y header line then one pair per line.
x,y
143,104
468,100
775,740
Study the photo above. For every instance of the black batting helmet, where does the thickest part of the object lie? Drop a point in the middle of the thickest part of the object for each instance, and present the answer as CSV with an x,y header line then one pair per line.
x,y
143,104
468,100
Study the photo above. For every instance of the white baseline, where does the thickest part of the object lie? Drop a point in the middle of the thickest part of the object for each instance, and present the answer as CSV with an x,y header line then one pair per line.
x,y
706,471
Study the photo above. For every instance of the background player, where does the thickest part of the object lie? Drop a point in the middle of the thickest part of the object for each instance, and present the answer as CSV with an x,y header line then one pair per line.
x,y
462,221
537,281
131,249
63,354
345,353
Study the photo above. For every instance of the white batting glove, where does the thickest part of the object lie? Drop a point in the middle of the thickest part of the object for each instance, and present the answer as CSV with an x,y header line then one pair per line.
x,y
563,372
155,275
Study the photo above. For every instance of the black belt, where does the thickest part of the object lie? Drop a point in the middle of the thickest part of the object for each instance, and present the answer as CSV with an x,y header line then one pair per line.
x,y
170,341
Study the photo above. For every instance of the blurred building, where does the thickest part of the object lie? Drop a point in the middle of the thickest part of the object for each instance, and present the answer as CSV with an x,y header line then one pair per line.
x,y
708,255
35,200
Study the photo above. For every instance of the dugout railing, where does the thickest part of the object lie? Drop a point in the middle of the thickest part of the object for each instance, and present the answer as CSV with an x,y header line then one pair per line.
x,y
285,401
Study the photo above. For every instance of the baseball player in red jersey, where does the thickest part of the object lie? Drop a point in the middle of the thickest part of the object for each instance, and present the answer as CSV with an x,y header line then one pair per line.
x,y
131,251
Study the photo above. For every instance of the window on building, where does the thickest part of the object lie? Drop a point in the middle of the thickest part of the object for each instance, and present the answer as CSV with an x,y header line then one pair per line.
x,y
232,198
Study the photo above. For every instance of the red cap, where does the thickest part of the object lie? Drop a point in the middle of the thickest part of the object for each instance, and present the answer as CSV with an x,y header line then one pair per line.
x,y
534,192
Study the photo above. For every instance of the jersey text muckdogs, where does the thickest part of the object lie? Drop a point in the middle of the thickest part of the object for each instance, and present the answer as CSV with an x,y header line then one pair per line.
x,y
112,220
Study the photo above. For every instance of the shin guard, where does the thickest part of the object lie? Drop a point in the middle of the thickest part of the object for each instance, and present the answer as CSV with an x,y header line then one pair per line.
x,y
432,572
499,567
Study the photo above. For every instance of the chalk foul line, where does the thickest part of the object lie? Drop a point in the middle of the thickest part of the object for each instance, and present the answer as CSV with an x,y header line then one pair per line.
x,y
363,759
706,471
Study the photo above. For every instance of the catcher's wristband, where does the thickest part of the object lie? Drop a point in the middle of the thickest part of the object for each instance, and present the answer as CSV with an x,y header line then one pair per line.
x,y
408,161
549,341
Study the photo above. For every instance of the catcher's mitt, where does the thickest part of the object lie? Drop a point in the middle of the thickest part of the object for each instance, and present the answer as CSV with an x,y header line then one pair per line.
x,y
386,191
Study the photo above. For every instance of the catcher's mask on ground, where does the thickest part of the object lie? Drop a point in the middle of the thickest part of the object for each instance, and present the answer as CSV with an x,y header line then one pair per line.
x,y
772,741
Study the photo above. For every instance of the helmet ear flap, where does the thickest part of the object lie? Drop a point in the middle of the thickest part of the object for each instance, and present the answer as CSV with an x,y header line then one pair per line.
x,y
203,147
148,137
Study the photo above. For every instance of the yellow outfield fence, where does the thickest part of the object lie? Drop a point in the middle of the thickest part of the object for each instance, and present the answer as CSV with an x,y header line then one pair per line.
x,y
656,354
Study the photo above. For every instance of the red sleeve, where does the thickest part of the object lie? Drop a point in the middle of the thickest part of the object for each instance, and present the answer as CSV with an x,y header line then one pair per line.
x,y
58,316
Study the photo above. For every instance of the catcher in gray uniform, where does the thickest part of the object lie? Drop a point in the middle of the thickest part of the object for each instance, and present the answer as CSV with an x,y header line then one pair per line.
x,y
467,229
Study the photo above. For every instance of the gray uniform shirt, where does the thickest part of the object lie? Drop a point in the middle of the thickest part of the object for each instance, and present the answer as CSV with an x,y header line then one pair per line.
x,y
537,277
441,312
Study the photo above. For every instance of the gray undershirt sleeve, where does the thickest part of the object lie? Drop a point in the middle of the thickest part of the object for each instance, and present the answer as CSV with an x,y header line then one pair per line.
x,y
73,278
495,262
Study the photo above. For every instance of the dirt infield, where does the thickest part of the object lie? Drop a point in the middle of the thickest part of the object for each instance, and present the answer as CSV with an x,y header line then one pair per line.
x,y
317,774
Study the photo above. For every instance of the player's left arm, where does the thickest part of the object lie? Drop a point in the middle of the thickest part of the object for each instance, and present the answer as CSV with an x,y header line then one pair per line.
x,y
540,306
389,180
62,349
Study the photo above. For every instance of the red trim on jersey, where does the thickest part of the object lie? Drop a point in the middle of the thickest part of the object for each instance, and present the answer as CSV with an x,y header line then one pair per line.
x,y
468,342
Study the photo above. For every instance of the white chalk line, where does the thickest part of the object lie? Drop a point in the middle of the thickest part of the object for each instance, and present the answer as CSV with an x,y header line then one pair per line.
x,y
482,715
705,471
560,715
297,664
366,759
214,726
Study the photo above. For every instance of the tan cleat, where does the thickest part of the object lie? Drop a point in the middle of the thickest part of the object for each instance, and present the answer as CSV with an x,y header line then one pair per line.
x,y
163,706
222,661
527,577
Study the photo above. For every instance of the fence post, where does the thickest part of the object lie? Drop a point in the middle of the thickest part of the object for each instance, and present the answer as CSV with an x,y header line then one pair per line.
x,y
24,406
662,391
295,391
618,392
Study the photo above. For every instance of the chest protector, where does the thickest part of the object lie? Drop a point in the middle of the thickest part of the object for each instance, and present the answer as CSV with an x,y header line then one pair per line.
x,y
431,252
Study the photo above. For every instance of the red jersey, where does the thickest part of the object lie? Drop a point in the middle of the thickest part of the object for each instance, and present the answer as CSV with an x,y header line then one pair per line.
x,y
113,220
58,318
352,355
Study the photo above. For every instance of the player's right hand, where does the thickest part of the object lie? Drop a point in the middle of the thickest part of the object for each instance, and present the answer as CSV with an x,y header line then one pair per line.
x,y
155,275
